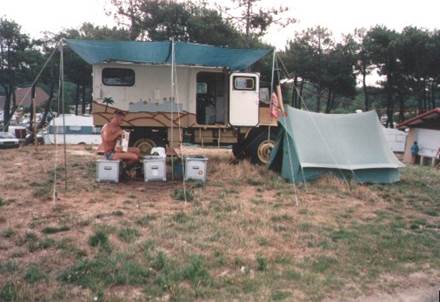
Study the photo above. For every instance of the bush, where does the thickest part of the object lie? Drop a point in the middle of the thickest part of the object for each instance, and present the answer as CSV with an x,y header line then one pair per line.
x,y
34,274
128,234
145,220
106,271
179,194
53,230
100,239
262,263
180,217
196,272
8,292
8,233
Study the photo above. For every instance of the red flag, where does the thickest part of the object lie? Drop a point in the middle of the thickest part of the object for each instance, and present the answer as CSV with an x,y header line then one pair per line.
x,y
275,109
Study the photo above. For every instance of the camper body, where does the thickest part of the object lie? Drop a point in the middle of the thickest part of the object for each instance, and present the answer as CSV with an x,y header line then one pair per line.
x,y
202,96
211,106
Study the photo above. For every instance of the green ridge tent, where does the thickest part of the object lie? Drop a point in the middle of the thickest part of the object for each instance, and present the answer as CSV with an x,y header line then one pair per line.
x,y
353,145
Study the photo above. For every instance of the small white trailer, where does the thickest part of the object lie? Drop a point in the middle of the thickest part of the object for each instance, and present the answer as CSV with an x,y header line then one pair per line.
x,y
78,130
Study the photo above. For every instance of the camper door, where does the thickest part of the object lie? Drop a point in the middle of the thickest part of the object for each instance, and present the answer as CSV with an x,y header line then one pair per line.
x,y
243,99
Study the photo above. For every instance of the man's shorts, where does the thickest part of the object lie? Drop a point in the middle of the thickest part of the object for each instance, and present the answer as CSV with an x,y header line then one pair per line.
x,y
108,155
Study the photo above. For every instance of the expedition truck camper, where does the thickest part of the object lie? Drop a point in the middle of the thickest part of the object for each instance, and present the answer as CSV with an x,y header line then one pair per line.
x,y
216,100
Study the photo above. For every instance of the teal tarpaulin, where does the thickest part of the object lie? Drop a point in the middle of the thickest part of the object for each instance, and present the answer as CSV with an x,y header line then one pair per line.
x,y
96,52
349,145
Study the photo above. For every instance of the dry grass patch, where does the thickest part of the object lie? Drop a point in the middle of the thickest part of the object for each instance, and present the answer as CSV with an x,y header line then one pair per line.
x,y
241,237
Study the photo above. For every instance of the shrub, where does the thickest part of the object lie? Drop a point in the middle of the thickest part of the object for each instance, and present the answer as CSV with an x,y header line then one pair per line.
x,y
8,292
53,230
262,263
106,271
34,274
128,234
179,194
8,233
100,239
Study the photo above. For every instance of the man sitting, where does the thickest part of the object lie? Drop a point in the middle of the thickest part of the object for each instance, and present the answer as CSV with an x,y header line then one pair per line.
x,y
110,134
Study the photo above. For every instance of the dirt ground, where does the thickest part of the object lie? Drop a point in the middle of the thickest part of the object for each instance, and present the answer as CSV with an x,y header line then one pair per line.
x,y
255,242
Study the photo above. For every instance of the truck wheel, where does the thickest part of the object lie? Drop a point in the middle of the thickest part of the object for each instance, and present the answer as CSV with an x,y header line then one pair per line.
x,y
239,151
145,145
261,148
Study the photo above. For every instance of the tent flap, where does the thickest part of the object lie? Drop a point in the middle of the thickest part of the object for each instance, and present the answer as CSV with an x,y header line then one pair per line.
x,y
97,52
348,145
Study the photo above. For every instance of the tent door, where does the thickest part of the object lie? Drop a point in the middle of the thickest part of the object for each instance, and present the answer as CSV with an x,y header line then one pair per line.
x,y
243,99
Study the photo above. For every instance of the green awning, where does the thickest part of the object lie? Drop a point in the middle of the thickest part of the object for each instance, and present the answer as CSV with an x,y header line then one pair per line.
x,y
98,52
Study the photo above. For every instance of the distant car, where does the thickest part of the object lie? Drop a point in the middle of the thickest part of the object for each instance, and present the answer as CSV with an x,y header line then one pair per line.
x,y
8,140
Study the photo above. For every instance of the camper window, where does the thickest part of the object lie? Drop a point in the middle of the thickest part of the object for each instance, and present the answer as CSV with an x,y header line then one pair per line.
x,y
244,83
202,88
118,77
56,129
74,128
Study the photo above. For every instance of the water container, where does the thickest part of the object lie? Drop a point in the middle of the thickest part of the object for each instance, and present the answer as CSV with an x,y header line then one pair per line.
x,y
160,151
195,168
155,168
107,170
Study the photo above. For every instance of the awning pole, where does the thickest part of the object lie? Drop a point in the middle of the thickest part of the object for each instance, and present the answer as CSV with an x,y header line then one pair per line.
x,y
63,110
273,72
271,86
172,108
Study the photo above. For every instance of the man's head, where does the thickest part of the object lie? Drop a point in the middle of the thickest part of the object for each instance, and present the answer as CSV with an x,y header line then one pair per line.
x,y
117,118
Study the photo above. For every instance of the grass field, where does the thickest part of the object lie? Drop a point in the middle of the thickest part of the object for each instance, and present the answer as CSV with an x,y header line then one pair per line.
x,y
241,237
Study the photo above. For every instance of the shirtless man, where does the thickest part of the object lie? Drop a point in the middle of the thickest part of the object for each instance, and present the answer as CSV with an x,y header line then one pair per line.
x,y
110,133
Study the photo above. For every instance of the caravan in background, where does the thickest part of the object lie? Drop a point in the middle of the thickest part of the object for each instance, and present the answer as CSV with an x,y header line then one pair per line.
x,y
79,130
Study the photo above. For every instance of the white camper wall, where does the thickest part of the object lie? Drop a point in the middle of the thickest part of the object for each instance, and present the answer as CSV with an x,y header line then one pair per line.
x,y
152,84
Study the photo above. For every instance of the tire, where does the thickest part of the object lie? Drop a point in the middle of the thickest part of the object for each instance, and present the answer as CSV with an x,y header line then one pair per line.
x,y
260,148
238,151
145,145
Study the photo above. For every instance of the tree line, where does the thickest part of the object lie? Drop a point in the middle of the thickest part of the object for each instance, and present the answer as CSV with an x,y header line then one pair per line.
x,y
329,74
406,64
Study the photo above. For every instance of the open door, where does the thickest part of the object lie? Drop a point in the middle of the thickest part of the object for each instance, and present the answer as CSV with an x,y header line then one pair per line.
x,y
210,98
243,99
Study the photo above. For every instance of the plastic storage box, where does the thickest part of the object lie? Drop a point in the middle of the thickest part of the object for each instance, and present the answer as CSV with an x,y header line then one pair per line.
x,y
107,170
195,168
155,168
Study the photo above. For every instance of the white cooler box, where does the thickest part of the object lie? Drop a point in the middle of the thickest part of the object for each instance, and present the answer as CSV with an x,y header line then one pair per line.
x,y
195,168
155,168
107,170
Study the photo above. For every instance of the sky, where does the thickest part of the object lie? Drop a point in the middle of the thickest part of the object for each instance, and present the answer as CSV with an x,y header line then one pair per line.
x,y
340,16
